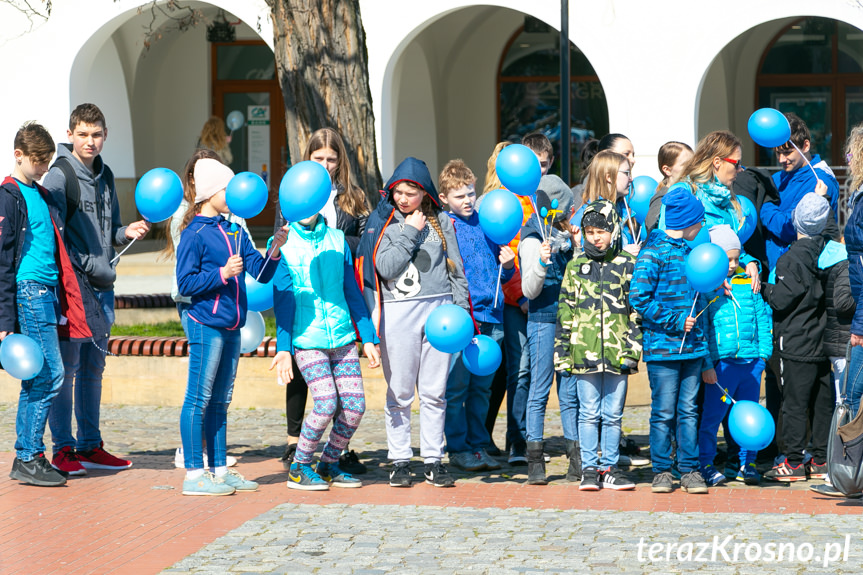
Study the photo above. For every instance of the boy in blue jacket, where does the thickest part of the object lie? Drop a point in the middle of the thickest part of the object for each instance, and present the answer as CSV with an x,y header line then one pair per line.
x,y
740,342
663,297
467,395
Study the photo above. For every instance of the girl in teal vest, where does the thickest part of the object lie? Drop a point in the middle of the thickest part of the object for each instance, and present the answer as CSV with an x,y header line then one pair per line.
x,y
316,297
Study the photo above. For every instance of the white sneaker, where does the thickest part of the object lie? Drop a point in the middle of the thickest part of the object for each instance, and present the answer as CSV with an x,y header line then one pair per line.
x,y
632,461
179,463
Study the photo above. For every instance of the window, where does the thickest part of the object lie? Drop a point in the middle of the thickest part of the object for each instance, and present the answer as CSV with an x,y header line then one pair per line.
x,y
529,94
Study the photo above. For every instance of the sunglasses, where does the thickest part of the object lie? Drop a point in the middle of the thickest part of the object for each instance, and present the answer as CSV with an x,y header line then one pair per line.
x,y
738,164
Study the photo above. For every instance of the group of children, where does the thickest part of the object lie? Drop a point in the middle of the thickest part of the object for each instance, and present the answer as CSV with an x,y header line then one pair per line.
x,y
581,282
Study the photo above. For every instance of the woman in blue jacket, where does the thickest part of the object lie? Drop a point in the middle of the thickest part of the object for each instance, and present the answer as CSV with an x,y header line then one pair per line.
x,y
316,297
209,270
740,339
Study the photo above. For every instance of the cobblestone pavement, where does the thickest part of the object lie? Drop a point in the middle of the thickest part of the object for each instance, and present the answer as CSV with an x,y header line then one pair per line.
x,y
367,539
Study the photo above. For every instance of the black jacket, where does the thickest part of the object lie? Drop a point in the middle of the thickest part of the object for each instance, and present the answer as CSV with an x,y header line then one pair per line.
x,y
78,302
840,310
756,185
797,299
352,226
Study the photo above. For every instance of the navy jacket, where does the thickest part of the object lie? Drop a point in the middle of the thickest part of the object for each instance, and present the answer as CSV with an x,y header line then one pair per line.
x,y
205,247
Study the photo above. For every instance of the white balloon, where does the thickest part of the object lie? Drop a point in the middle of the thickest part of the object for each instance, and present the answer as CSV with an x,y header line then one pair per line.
x,y
252,334
235,120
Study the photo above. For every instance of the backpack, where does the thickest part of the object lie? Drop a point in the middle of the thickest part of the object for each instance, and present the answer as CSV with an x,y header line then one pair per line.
x,y
73,188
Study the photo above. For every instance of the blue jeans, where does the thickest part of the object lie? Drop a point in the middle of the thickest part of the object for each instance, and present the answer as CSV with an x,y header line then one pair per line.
x,y
600,399
84,364
854,387
743,382
517,373
467,397
183,312
213,357
37,318
540,340
673,389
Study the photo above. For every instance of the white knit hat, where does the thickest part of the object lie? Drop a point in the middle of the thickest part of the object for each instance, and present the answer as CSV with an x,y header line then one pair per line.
x,y
211,177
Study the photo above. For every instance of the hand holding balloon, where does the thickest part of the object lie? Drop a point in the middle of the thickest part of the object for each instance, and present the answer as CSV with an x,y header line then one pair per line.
x,y
233,267
709,376
689,324
821,189
137,230
545,253
506,257
279,239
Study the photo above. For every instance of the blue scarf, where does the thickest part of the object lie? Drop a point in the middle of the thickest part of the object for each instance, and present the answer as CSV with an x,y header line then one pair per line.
x,y
716,192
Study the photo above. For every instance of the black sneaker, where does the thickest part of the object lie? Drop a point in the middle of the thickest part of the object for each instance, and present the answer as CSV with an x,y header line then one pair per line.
x,y
614,478
662,482
288,457
350,463
437,475
590,479
400,476
37,471
786,473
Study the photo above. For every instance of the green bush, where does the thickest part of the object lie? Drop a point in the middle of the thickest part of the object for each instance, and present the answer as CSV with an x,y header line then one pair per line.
x,y
170,329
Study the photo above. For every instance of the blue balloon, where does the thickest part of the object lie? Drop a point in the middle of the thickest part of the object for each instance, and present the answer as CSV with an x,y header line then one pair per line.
x,y
235,120
706,267
751,425
769,128
246,194
518,169
500,216
750,219
304,191
643,188
252,333
449,328
158,194
703,237
21,357
482,356
259,296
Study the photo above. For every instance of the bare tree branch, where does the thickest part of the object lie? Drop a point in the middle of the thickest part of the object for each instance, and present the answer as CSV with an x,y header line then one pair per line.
x,y
36,15
179,15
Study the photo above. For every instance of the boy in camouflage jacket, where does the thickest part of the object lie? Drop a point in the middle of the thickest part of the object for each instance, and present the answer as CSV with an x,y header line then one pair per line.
x,y
598,342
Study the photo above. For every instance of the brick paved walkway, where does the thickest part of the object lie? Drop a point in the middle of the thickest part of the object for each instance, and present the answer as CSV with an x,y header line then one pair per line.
x,y
136,521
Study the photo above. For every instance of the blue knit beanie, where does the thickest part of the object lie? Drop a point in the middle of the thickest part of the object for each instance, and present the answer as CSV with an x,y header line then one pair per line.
x,y
682,208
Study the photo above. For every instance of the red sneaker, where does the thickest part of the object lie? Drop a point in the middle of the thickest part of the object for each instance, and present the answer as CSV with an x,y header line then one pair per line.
x,y
98,458
67,460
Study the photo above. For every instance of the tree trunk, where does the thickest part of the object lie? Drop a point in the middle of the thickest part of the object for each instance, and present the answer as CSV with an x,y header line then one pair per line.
x,y
322,63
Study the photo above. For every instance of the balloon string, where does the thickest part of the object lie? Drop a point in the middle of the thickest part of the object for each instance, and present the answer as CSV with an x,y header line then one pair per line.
x,y
536,211
629,219
694,300
725,391
808,163
497,289
123,252
267,259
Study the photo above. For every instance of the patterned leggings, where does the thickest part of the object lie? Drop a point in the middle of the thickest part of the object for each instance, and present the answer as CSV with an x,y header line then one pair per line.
x,y
333,376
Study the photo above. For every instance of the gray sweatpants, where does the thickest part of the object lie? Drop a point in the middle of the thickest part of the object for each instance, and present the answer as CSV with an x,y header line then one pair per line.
x,y
411,365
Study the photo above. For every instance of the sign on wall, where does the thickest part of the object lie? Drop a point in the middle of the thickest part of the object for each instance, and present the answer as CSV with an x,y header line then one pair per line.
x,y
259,140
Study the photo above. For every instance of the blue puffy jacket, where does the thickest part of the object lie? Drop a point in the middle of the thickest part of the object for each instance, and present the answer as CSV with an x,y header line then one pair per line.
x,y
205,246
660,292
854,245
740,328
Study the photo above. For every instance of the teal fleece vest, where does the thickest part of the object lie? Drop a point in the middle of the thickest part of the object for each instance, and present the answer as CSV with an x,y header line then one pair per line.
x,y
316,260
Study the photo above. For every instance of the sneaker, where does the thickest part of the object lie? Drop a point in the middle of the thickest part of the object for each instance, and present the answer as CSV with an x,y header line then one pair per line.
x,y
180,462
350,463
207,484
590,479
494,450
238,482
437,475
490,463
400,476
98,458
517,456
614,478
785,472
67,460
712,477
692,482
732,470
335,476
831,491
632,460
301,476
748,474
37,471
467,460
816,470
662,482
288,456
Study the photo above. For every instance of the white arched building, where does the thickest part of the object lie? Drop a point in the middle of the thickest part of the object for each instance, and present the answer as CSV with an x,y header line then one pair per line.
x,y
449,78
